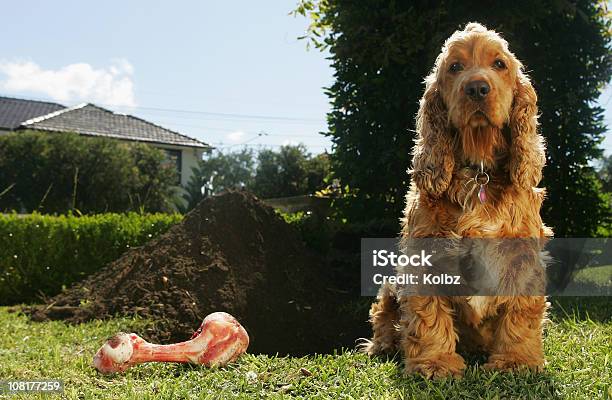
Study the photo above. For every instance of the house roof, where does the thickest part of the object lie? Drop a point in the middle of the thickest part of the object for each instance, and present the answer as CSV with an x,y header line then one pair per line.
x,y
89,119
14,111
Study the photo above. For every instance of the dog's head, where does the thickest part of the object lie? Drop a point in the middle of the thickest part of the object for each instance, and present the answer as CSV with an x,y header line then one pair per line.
x,y
476,88
476,76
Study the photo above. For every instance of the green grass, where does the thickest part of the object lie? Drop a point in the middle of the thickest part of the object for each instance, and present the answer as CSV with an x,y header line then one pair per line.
x,y
578,348
601,276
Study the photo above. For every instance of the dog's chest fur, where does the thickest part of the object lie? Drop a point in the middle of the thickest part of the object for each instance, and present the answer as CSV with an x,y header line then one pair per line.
x,y
481,307
463,192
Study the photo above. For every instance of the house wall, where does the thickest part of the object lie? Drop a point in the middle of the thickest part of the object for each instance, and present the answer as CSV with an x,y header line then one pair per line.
x,y
189,159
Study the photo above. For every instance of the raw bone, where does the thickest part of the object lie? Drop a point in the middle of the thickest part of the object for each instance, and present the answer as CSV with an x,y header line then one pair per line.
x,y
219,340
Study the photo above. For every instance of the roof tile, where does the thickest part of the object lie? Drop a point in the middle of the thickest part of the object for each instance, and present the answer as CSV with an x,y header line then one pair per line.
x,y
89,119
14,111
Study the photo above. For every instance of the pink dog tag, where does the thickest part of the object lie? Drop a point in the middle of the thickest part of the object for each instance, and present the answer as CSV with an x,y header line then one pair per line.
x,y
482,194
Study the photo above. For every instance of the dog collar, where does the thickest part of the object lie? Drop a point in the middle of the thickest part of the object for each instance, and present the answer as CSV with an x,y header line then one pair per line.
x,y
481,179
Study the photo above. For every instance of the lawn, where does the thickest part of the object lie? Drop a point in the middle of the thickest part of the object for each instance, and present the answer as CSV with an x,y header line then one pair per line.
x,y
601,276
578,348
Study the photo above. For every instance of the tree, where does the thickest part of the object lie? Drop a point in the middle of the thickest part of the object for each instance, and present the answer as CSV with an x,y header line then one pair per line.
x,y
605,173
222,171
318,169
381,51
61,172
605,177
291,171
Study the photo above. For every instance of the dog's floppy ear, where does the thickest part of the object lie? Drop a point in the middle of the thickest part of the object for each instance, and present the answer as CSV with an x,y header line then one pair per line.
x,y
527,156
433,159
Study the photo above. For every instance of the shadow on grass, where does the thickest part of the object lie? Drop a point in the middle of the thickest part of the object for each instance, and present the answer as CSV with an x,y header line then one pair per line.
x,y
476,382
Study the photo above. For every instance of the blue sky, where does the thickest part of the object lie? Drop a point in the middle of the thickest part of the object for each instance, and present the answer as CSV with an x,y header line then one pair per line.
x,y
222,72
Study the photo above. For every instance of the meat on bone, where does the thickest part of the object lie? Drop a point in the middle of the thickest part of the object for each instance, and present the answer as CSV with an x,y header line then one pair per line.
x,y
219,340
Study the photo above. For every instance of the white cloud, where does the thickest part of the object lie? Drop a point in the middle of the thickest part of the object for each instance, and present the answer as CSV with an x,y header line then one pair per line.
x,y
72,83
235,136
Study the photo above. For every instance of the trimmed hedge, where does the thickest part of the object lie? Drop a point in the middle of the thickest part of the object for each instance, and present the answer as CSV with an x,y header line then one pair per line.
x,y
41,254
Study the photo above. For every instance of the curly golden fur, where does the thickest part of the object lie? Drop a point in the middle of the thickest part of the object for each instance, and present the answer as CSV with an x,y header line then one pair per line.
x,y
478,107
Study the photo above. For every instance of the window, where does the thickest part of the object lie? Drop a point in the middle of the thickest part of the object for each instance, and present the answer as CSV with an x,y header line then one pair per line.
x,y
175,159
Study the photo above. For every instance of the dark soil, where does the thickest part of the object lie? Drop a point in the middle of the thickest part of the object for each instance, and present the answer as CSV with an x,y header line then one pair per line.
x,y
231,253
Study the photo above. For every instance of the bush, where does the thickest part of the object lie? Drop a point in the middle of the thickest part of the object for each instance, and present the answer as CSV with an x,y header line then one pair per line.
x,y
61,172
40,255
316,232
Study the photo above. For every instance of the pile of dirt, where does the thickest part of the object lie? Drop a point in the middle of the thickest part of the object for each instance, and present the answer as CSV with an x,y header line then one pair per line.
x,y
231,253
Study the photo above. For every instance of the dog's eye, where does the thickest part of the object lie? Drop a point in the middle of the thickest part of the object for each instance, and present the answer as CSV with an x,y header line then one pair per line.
x,y
499,64
456,67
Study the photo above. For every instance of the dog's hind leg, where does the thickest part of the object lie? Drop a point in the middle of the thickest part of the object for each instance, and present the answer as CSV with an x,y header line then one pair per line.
x,y
384,317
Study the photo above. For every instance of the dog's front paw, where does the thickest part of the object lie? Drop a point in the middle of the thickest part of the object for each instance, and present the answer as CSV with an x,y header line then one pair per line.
x,y
437,366
509,362
371,347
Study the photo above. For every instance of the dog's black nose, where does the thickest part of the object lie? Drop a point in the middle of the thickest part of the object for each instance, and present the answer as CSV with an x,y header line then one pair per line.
x,y
477,90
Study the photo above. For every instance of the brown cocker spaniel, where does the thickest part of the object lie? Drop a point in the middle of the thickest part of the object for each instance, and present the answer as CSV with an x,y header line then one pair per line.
x,y
477,161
